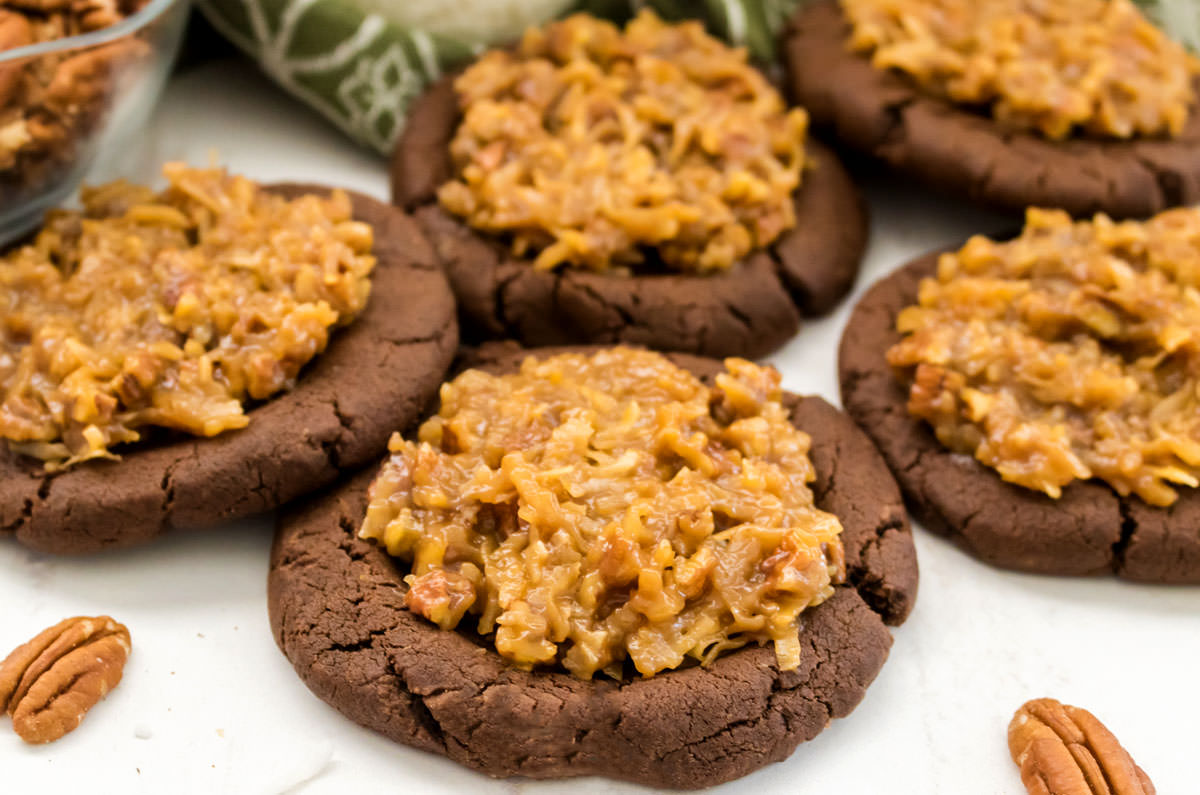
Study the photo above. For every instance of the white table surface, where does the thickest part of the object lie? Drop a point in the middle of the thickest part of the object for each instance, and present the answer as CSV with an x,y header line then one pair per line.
x,y
209,704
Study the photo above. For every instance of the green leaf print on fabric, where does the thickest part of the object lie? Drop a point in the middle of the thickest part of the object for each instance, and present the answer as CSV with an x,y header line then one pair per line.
x,y
357,69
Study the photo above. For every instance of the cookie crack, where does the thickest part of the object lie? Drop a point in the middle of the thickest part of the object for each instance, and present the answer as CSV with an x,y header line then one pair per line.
x,y
916,462
343,419
1111,190
626,318
1170,185
347,539
363,644
422,339
741,317
1080,526
797,293
499,301
872,586
1129,526
577,741
849,381
814,694
725,730
167,485
330,447
21,518
897,126
260,489
30,505
424,716
969,519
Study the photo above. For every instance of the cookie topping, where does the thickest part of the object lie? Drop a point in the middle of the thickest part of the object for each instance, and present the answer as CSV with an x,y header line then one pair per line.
x,y
1045,65
596,508
599,148
169,309
1070,352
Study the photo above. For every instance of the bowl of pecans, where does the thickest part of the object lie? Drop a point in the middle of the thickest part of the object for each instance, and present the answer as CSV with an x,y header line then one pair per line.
x,y
77,78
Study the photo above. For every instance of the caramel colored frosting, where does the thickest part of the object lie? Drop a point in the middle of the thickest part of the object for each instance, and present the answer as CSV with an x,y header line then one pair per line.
x,y
1055,66
169,309
599,148
593,509
1070,352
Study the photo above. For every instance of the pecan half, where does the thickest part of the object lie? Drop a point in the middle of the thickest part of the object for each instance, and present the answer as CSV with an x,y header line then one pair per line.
x,y
49,684
1065,750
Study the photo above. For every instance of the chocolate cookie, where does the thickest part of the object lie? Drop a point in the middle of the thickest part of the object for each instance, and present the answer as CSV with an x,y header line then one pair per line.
x,y
1089,529
337,611
748,310
966,153
376,375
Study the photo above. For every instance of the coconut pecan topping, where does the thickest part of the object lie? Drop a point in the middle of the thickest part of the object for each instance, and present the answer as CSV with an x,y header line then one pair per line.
x,y
1069,352
1055,66
169,309
592,146
590,510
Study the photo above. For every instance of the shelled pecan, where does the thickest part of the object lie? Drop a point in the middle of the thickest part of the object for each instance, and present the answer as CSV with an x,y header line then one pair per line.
x,y
48,684
1065,750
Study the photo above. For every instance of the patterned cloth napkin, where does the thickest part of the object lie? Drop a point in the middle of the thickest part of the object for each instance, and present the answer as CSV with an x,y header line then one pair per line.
x,y
362,62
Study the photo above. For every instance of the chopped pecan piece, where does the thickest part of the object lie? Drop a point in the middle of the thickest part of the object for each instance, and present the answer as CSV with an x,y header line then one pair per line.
x,y
1065,750
440,596
48,684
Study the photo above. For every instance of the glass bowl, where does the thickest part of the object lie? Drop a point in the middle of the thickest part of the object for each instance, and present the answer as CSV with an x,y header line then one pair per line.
x,y
68,103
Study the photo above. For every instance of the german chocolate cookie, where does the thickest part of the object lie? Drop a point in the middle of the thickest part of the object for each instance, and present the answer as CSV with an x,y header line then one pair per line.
x,y
337,611
376,374
748,310
1088,530
966,153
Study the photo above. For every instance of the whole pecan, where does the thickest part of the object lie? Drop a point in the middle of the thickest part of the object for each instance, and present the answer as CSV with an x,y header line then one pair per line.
x,y
1065,750
49,684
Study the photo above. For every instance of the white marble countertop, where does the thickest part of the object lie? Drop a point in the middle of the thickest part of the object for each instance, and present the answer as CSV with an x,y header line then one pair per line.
x,y
209,705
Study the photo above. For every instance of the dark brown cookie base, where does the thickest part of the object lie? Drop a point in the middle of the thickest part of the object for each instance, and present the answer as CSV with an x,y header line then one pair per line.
x,y
376,375
748,311
1089,530
968,154
336,605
